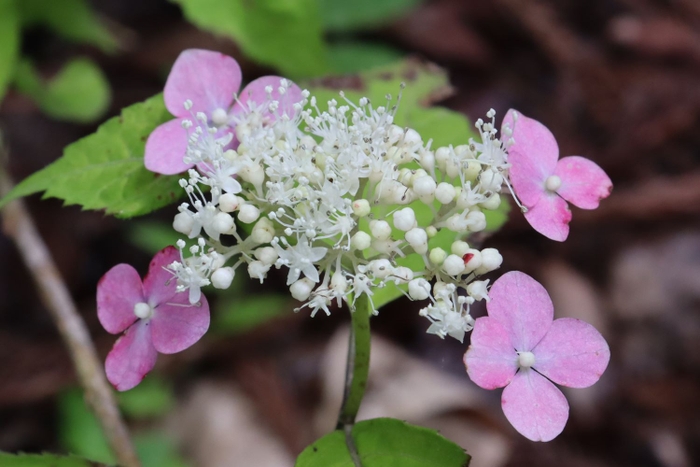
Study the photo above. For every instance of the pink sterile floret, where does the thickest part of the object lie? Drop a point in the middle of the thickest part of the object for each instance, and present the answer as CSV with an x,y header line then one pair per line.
x,y
544,183
519,346
210,81
156,318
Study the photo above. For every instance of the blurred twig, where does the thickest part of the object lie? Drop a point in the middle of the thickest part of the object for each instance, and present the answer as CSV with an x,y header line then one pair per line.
x,y
19,226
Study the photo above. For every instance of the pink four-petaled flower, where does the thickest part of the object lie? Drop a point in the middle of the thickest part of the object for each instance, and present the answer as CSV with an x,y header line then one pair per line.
x,y
156,318
544,183
209,80
519,346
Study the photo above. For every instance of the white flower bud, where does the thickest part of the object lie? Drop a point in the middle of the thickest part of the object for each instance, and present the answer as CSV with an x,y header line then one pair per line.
x,y
472,259
229,202
478,290
394,134
419,289
492,202
472,171
445,192
418,239
476,221
263,231
253,174
248,213
424,186
258,270
360,241
411,137
456,223
491,260
490,180
404,219
459,248
339,282
437,256
222,222
431,231
361,207
380,268
453,265
267,255
222,278
402,274
427,160
441,156
381,230
183,223
301,289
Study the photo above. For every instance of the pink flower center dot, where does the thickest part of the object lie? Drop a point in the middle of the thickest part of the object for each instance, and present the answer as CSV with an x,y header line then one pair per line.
x,y
143,310
219,117
526,359
552,183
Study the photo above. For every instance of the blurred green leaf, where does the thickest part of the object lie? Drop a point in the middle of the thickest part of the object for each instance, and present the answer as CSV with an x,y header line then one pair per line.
x,y
345,15
105,169
79,92
351,57
385,442
71,19
9,43
152,236
444,126
286,35
152,397
79,431
238,315
44,460
158,450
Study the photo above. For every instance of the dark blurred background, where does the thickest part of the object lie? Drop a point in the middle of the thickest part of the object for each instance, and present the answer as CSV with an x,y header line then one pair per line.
x,y
617,81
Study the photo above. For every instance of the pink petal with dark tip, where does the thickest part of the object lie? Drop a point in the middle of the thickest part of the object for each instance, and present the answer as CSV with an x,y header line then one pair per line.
x,y
117,293
534,406
131,358
491,360
255,92
550,217
208,79
573,353
523,307
176,324
159,285
583,182
165,148
533,157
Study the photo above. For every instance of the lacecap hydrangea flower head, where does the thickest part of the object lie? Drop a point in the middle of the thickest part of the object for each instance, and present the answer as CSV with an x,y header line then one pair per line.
x,y
347,203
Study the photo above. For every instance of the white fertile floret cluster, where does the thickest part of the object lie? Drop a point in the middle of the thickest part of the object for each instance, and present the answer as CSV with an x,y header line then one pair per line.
x,y
346,201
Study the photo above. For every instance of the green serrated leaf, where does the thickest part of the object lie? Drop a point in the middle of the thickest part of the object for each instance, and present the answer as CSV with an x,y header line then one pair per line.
x,y
352,57
152,397
44,460
344,15
79,92
105,169
79,431
9,43
238,315
71,19
286,34
385,442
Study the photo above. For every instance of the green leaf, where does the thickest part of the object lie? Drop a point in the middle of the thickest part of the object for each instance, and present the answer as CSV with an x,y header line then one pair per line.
x,y
44,460
351,57
285,35
238,315
105,169
9,43
153,236
79,431
152,397
79,92
344,15
71,19
385,442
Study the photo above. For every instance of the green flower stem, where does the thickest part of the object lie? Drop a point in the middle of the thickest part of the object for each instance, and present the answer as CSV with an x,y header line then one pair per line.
x,y
356,372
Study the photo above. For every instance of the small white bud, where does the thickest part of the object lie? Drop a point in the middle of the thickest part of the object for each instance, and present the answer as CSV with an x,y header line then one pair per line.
x,y
456,223
222,222
427,160
493,202
222,278
229,202
248,213
258,270
445,193
301,289
419,289
381,268
437,256
431,231
183,223
478,290
491,260
339,282
404,219
360,241
472,259
266,254
402,274
476,221
360,207
459,248
441,156
424,186
264,231
453,265
381,230
472,171
412,137
418,239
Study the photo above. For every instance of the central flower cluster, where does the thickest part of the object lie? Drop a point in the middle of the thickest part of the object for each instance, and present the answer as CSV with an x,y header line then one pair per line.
x,y
344,199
